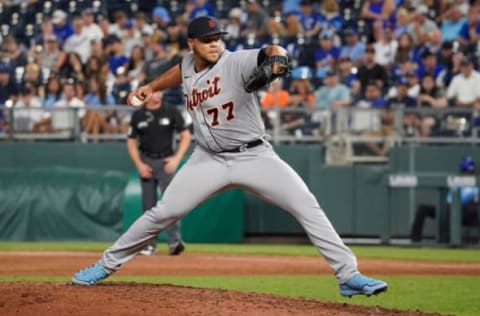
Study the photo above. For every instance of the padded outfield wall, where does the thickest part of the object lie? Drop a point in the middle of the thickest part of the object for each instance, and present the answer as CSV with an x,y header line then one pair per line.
x,y
75,191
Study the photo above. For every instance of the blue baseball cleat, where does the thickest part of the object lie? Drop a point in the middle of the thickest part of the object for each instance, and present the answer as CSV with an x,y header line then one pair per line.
x,y
90,275
360,284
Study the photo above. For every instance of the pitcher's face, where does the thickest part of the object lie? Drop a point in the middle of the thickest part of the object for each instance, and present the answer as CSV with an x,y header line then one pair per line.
x,y
206,49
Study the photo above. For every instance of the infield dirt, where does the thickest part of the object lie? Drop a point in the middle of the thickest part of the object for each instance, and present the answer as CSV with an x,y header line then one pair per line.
x,y
119,298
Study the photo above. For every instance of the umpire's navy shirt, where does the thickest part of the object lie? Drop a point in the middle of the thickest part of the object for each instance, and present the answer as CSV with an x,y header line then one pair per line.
x,y
154,129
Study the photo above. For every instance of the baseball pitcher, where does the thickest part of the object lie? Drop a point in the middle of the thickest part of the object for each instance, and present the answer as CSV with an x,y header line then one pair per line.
x,y
220,94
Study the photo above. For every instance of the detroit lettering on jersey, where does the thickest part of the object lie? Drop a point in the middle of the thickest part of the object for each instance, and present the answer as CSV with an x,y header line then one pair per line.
x,y
224,115
197,97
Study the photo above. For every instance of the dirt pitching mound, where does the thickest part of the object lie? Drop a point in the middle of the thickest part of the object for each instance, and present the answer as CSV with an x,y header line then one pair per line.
x,y
116,299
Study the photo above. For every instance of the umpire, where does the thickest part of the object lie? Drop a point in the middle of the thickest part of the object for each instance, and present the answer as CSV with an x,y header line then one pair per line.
x,y
150,145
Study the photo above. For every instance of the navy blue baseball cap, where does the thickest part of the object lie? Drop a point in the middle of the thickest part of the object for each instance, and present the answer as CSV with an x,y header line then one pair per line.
x,y
401,81
4,69
350,31
204,26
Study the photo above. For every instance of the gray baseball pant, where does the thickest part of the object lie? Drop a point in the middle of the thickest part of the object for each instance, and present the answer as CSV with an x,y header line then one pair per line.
x,y
259,170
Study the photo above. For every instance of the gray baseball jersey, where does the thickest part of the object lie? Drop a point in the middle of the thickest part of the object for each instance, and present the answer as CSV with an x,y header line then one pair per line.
x,y
226,117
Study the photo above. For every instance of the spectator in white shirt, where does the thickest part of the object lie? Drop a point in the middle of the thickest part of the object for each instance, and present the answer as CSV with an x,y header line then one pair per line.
x,y
27,111
385,47
90,27
80,41
63,118
130,40
141,24
464,90
117,28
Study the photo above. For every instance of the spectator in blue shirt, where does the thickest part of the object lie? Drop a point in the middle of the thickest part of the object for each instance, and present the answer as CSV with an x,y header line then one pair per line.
x,y
332,94
444,56
117,57
290,6
161,17
8,87
61,27
373,97
469,34
347,72
309,19
53,92
95,120
402,98
377,12
331,18
202,8
402,21
326,55
429,65
452,26
353,48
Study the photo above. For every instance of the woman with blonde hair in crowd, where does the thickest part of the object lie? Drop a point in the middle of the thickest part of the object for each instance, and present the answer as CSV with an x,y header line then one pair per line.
x,y
403,19
331,13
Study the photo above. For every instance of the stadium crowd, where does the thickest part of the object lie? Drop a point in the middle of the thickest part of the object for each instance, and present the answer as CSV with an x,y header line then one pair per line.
x,y
349,53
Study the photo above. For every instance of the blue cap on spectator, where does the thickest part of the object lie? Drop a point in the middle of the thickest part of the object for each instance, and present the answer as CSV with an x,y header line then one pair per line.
x,y
112,38
427,53
326,35
4,68
331,72
129,24
161,13
401,81
302,72
306,2
350,31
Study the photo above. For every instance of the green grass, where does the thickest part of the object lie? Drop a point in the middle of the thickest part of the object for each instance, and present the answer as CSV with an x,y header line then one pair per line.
x,y
454,295
457,295
372,252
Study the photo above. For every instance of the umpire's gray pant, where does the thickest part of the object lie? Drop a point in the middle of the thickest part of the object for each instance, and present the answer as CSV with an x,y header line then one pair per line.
x,y
160,179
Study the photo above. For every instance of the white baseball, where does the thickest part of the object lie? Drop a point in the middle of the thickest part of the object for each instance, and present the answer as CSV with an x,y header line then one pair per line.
x,y
136,102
